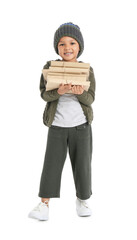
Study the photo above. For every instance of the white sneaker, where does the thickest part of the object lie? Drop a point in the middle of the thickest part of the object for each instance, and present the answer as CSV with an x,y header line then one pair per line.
x,y
82,208
40,212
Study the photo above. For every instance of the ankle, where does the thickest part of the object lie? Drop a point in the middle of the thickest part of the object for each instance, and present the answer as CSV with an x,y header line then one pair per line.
x,y
46,201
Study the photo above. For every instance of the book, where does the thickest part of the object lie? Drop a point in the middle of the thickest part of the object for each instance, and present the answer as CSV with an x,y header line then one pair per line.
x,y
63,71
68,77
66,72
69,64
54,83
69,70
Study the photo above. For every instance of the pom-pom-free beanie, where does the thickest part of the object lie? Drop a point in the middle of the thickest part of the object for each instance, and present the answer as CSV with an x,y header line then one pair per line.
x,y
71,30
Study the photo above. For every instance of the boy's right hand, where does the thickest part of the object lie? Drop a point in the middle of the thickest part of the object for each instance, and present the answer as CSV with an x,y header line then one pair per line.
x,y
63,88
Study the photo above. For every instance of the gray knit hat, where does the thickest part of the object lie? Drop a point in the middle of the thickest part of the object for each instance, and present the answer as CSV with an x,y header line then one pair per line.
x,y
71,30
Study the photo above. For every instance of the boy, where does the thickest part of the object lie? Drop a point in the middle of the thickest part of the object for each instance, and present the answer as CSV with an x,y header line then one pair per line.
x,y
69,118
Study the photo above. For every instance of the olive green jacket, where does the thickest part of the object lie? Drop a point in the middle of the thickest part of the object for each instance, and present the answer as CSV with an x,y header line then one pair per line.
x,y
52,97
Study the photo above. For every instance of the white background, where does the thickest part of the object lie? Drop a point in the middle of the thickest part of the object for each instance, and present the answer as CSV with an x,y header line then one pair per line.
x,y
109,30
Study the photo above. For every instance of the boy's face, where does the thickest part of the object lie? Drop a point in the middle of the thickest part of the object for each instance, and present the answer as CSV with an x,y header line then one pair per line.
x,y
68,49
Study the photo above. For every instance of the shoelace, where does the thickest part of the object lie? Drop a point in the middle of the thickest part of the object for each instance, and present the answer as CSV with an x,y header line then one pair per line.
x,y
84,203
37,208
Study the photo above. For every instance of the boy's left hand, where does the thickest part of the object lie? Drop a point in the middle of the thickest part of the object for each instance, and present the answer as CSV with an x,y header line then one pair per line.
x,y
77,89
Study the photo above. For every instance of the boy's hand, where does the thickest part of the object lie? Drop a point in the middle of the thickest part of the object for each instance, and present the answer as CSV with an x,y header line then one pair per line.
x,y
63,88
77,89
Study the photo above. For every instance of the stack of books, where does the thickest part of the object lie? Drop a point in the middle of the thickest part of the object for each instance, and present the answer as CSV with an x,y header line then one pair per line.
x,y
66,72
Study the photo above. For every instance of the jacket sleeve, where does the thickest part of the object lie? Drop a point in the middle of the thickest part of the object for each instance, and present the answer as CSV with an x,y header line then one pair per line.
x,y
47,96
87,97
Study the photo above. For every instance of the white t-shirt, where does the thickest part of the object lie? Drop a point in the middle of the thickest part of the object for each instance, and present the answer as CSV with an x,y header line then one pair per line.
x,y
69,112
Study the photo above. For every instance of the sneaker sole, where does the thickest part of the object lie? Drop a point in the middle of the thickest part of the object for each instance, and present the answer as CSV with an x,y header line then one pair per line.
x,y
84,215
38,218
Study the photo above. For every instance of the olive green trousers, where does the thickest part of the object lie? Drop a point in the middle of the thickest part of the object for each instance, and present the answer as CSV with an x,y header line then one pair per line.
x,y
78,141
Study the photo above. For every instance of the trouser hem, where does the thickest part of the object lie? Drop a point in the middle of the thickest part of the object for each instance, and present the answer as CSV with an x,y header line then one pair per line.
x,y
48,195
83,197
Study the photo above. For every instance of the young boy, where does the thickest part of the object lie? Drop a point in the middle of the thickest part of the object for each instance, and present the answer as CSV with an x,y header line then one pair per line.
x,y
69,118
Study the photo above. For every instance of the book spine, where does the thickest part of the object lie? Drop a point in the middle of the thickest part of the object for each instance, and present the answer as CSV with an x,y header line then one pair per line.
x,y
69,64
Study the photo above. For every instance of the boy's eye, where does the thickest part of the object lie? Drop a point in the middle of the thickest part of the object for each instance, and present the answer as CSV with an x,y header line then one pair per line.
x,y
62,44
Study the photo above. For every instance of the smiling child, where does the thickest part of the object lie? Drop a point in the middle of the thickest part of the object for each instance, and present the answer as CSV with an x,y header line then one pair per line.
x,y
68,118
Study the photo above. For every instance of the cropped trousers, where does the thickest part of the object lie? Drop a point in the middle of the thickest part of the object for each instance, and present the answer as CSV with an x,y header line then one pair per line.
x,y
78,141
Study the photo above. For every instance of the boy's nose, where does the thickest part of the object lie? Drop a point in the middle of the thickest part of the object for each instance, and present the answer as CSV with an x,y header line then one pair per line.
x,y
67,47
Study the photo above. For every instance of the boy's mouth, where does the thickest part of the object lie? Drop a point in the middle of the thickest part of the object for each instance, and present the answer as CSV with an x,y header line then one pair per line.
x,y
68,53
